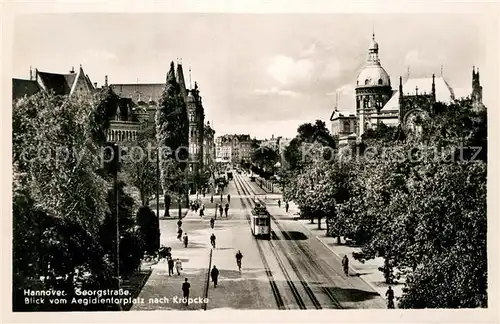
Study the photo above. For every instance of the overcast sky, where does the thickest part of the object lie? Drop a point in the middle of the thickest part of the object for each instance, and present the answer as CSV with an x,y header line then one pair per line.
x,y
258,74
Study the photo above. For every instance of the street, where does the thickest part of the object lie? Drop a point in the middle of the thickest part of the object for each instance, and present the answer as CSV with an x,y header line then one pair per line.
x,y
293,270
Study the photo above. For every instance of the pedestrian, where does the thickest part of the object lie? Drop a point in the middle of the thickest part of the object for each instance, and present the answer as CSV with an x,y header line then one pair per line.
x,y
286,206
178,266
226,209
390,298
204,191
185,240
212,199
212,240
215,275
228,198
185,290
212,223
201,212
179,223
220,210
179,234
345,264
170,266
168,254
279,203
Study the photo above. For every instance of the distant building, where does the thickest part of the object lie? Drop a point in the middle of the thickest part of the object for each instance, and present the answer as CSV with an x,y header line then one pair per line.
x,y
377,102
233,148
209,146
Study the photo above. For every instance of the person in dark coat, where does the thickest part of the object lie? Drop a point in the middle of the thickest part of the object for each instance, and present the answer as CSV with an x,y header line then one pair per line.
x,y
286,206
212,199
170,266
215,275
228,198
185,240
179,223
212,240
345,264
390,298
185,290
226,209
279,203
221,210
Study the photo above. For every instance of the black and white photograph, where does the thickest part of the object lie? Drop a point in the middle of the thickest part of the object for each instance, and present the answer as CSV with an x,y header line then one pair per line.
x,y
215,161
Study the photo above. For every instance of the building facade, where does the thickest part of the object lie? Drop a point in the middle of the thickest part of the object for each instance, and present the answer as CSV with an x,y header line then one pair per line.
x,y
233,148
377,102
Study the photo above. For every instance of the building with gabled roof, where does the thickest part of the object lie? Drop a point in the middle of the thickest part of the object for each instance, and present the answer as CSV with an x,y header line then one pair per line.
x,y
65,84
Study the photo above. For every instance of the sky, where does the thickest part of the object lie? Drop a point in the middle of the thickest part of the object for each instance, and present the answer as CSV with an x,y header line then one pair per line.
x,y
258,74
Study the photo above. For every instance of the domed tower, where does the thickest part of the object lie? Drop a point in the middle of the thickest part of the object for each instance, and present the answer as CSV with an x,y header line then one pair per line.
x,y
373,90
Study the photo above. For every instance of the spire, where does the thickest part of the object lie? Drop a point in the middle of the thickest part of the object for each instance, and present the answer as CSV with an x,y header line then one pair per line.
x,y
190,84
441,70
433,87
180,79
408,73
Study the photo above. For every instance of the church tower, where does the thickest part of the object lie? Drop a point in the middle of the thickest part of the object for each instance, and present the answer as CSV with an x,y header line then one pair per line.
x,y
373,90
477,90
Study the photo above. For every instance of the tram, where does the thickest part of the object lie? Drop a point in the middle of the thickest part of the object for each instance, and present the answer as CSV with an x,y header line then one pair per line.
x,y
260,222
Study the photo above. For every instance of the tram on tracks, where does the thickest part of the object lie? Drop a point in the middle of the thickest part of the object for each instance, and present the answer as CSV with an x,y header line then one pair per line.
x,y
260,222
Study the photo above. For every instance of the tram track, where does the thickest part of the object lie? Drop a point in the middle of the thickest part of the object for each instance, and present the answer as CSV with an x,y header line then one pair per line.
x,y
274,287
303,251
290,283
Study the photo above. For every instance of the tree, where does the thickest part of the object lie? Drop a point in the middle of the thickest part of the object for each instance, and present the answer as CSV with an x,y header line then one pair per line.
x,y
140,167
60,198
149,229
172,134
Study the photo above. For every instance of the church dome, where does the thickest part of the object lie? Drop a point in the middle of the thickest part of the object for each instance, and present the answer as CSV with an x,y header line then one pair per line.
x,y
373,75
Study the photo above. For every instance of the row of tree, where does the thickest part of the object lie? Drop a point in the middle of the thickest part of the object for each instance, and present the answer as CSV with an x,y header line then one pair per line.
x,y
67,197
416,199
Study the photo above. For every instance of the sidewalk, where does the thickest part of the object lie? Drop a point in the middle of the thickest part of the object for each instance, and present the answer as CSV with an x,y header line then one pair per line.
x,y
367,270
163,292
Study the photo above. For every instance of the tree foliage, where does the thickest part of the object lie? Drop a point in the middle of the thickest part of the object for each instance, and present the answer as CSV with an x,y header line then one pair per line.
x,y
172,130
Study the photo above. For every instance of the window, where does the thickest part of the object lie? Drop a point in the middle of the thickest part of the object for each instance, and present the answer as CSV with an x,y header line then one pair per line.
x,y
380,81
367,81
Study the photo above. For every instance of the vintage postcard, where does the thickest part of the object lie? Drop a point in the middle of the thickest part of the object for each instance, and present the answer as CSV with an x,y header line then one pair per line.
x,y
205,162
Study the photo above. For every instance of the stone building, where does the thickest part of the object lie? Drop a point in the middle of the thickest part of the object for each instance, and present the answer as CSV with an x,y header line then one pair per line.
x,y
377,102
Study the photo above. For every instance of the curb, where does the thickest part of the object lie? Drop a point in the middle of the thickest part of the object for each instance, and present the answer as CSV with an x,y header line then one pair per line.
x,y
208,279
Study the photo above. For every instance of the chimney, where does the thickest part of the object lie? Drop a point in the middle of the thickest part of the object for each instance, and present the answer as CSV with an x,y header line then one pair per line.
x,y
36,75
72,70
105,80
31,73
95,84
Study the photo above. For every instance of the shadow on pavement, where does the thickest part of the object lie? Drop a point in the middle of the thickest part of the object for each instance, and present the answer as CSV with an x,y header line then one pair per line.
x,y
351,295
294,236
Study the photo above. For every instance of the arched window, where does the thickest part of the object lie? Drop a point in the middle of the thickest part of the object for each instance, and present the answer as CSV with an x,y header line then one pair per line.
x,y
380,81
366,102
367,81
347,126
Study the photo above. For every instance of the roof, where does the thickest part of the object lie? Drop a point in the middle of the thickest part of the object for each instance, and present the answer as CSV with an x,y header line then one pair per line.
x,y
143,91
21,88
444,93
59,83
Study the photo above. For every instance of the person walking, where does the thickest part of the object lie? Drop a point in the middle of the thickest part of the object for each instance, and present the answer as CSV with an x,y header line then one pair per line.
x,y
212,240
212,223
228,198
202,209
185,240
220,210
212,199
179,223
226,209
239,256
345,264
178,266
179,234
170,266
215,275
279,203
185,290
286,206
390,298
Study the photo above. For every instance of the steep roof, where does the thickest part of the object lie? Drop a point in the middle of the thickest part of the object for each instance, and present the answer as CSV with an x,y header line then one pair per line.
x,y
21,88
444,93
59,83
142,91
